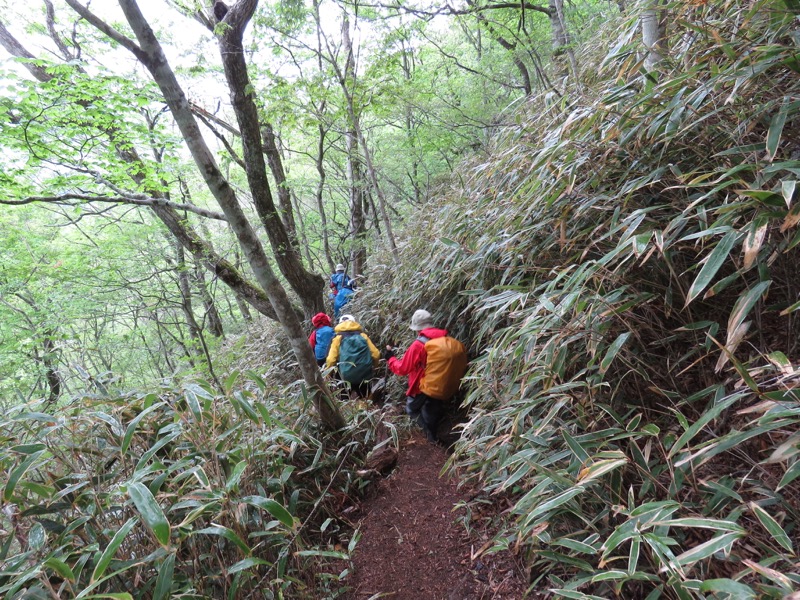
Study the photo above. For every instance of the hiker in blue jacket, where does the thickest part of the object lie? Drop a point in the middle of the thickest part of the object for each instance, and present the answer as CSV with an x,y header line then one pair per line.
x,y
338,280
320,339
342,298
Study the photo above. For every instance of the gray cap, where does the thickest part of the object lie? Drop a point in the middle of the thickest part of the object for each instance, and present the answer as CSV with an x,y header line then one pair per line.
x,y
340,267
421,319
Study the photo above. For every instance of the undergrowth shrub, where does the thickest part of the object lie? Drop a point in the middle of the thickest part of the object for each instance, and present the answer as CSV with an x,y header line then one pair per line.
x,y
624,265
186,492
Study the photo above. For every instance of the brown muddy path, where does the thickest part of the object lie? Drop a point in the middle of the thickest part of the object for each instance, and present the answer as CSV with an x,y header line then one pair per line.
x,y
414,545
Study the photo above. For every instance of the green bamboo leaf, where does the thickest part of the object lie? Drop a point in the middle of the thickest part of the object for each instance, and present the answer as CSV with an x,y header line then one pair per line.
x,y
776,129
324,553
610,576
151,512
576,448
787,190
274,508
230,381
726,442
163,587
772,526
712,264
575,595
227,534
113,422
706,549
633,555
247,563
111,549
791,474
16,474
131,429
236,475
701,523
239,401
193,403
554,503
27,448
790,309
151,451
60,567
600,468
705,419
734,589
745,303
575,545
612,351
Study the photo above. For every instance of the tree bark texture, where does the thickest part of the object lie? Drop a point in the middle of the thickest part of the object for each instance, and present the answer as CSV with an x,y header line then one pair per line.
x,y
654,31
199,248
152,56
307,285
279,175
344,78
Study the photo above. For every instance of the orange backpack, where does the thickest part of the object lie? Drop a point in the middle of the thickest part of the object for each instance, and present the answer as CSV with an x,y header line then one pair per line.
x,y
447,363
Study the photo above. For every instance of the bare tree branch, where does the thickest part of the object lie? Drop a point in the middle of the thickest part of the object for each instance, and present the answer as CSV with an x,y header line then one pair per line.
x,y
447,9
105,28
51,29
139,200
10,43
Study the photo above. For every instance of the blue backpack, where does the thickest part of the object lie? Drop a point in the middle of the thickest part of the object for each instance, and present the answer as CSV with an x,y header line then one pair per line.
x,y
340,280
324,338
355,360
342,298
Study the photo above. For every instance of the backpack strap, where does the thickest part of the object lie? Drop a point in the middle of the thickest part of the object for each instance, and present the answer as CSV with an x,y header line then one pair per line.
x,y
424,339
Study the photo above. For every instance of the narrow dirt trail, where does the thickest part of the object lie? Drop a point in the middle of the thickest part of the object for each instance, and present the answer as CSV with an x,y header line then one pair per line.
x,y
414,545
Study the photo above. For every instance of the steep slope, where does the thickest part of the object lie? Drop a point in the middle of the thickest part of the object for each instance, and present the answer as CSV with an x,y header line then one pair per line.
x,y
624,267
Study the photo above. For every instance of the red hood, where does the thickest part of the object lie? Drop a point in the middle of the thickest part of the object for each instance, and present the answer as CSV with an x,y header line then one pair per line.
x,y
433,332
320,319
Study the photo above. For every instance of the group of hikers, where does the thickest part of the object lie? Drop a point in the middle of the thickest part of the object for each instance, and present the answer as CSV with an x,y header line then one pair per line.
x,y
434,362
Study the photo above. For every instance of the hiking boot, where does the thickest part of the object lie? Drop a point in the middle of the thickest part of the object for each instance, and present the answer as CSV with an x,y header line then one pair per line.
x,y
431,436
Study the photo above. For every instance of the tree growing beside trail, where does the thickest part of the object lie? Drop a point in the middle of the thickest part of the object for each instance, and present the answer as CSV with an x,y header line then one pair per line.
x,y
148,51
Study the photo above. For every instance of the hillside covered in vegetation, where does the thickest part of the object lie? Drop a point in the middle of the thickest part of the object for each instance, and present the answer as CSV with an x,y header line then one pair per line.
x,y
611,229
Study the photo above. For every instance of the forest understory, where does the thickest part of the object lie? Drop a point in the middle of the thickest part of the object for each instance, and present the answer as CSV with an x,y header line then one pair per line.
x,y
599,199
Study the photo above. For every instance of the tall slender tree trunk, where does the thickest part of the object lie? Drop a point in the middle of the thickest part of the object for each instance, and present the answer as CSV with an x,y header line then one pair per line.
x,y
152,57
308,286
654,32
200,249
212,316
275,162
356,126
561,36
358,227
319,161
186,299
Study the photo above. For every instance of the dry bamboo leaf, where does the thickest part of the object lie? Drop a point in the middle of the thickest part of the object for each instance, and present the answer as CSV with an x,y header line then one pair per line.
x,y
733,342
752,244
760,407
786,450
792,219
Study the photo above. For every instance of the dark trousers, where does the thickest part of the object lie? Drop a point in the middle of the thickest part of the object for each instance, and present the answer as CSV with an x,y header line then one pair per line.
x,y
427,412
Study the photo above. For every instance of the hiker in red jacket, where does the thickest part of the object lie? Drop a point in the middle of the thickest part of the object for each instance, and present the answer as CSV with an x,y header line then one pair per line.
x,y
426,407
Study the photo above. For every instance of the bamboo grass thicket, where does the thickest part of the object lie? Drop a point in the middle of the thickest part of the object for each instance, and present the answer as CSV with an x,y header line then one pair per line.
x,y
624,265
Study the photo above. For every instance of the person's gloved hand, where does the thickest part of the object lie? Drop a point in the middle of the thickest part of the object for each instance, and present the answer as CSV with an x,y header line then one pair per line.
x,y
388,353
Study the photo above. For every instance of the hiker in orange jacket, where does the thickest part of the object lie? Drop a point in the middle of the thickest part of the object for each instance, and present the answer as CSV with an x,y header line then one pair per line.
x,y
426,410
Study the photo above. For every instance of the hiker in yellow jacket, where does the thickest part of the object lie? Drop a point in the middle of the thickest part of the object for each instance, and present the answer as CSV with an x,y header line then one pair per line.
x,y
354,354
